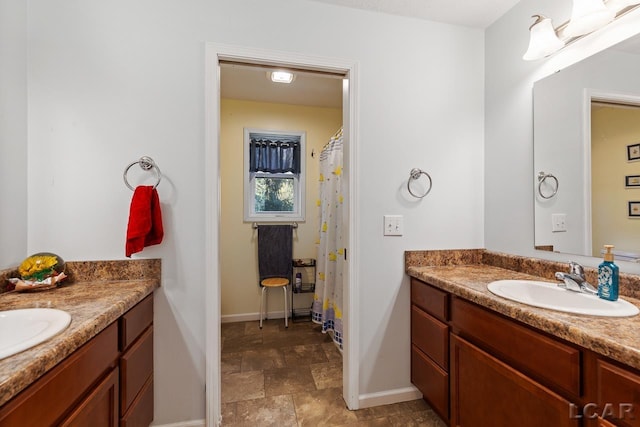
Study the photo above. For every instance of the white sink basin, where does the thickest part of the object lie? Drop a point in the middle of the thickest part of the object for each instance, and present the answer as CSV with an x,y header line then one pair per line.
x,y
24,328
548,295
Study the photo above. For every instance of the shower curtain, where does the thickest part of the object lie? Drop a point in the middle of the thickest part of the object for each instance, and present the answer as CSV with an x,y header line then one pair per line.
x,y
327,300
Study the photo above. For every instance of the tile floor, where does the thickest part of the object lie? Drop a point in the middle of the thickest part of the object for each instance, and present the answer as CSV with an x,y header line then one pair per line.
x,y
293,377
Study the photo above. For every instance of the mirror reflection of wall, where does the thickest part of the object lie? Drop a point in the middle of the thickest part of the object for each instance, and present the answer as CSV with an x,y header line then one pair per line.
x,y
613,128
562,147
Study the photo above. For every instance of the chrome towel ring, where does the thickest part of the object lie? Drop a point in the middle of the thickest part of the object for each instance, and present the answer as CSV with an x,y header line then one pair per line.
x,y
414,175
146,163
542,177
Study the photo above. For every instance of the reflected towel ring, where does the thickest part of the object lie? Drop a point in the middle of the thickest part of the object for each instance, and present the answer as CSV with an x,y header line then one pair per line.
x,y
414,175
542,177
146,163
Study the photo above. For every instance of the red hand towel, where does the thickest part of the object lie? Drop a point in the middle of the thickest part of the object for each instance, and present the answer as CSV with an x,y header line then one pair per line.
x,y
145,220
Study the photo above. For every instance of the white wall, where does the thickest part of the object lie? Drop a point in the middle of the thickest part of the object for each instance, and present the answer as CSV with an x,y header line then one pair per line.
x,y
13,132
509,174
112,81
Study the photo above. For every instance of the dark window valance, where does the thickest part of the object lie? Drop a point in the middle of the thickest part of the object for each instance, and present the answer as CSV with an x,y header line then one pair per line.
x,y
274,153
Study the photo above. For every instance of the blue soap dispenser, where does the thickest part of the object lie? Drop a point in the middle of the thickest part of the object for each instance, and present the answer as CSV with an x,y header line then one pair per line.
x,y
608,274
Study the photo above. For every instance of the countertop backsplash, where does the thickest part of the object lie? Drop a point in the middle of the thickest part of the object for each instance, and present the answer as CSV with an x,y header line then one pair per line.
x,y
96,271
629,283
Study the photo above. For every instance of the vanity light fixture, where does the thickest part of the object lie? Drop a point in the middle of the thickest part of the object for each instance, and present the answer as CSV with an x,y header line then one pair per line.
x,y
281,76
543,40
586,16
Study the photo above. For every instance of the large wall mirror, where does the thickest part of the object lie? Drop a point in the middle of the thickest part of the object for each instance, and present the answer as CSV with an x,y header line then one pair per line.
x,y
587,155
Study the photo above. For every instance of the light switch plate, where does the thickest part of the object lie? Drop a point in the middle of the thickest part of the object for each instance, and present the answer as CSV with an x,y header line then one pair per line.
x,y
558,222
393,225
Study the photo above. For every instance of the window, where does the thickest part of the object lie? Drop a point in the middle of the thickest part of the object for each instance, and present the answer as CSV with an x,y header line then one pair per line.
x,y
274,172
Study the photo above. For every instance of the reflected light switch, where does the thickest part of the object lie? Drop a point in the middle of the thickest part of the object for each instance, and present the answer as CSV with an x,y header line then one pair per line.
x,y
558,222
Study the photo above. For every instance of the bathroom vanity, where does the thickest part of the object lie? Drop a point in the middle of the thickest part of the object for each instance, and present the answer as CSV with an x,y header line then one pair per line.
x,y
481,360
97,372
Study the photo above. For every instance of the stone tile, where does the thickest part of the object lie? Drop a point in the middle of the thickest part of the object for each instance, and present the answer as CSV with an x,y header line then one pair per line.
x,y
331,350
229,413
242,386
426,418
230,362
299,326
322,408
232,329
296,337
262,359
378,422
268,326
304,355
239,343
276,411
381,411
416,405
327,375
292,380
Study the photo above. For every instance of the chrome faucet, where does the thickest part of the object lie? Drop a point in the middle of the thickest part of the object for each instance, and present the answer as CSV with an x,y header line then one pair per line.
x,y
575,281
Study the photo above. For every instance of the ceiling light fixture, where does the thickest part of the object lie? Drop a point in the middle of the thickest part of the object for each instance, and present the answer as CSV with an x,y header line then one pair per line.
x,y
281,76
587,16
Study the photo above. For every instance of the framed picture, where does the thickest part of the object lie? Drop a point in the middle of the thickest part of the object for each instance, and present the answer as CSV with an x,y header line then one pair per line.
x,y
633,152
634,209
632,181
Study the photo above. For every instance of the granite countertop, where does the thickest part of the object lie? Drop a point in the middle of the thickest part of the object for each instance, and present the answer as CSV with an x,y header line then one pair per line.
x,y
467,276
93,305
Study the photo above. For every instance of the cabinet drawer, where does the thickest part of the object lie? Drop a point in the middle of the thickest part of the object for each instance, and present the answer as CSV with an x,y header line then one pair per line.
x,y
432,300
541,357
100,408
431,380
46,401
431,336
134,321
618,390
136,367
141,412
488,392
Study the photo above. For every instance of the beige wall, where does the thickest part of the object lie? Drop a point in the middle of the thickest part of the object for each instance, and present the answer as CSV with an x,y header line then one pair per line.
x,y
240,290
612,130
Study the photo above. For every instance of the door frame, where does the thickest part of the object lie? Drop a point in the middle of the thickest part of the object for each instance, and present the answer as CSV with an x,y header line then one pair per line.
x,y
214,53
591,95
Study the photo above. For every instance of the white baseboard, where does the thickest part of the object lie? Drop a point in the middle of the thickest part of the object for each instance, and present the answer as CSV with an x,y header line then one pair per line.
x,y
193,423
388,397
247,317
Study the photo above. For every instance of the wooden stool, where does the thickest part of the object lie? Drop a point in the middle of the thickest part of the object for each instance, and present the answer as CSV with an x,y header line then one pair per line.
x,y
274,282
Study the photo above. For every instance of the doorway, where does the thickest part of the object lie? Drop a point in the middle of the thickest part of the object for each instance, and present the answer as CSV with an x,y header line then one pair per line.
x,y
610,159
216,53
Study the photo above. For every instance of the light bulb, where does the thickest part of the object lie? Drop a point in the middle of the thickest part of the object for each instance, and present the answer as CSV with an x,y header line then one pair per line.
x,y
588,16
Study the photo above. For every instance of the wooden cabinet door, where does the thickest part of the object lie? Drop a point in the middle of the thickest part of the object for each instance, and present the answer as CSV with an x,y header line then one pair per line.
x,y
618,394
604,423
100,408
136,367
431,380
487,392
48,400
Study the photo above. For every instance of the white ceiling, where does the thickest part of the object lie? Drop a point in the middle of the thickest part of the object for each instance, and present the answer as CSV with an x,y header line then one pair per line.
x,y
468,13
251,83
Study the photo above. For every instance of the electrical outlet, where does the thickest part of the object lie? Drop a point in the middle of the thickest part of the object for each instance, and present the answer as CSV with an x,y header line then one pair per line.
x,y
393,225
558,222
